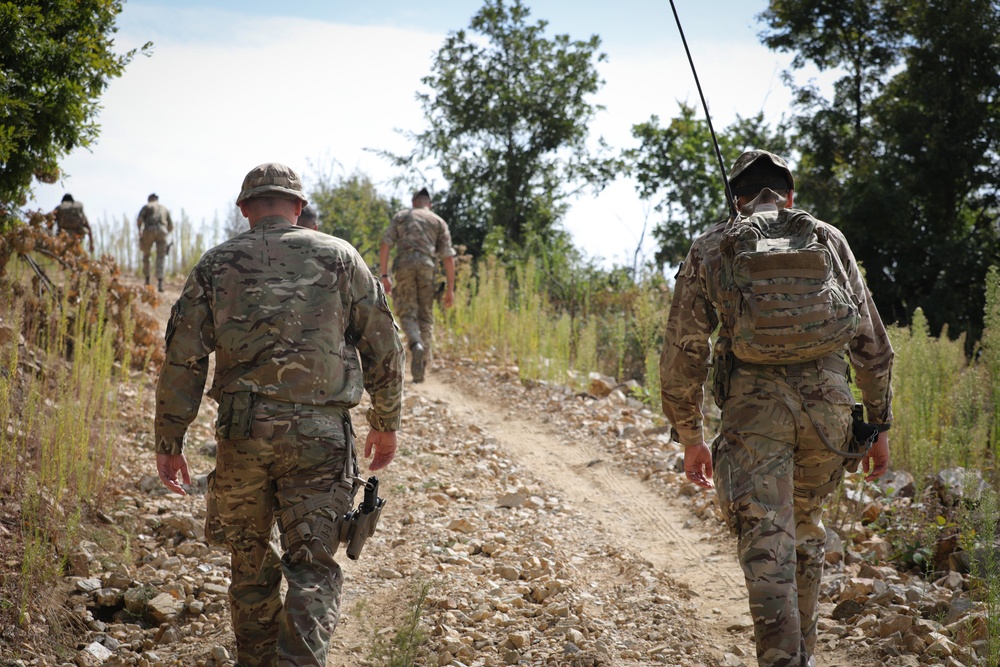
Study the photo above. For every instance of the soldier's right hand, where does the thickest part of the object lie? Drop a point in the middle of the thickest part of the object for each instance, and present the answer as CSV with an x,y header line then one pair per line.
x,y
167,466
384,445
698,465
387,284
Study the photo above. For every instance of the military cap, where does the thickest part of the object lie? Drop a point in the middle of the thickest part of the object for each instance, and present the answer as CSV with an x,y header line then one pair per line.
x,y
422,193
152,197
769,171
67,197
272,180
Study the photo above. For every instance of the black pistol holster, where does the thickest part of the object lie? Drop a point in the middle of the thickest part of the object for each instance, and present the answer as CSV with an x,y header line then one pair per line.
x,y
863,436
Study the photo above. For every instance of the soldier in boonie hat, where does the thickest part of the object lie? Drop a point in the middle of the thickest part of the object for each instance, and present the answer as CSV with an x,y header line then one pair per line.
x,y
755,170
272,180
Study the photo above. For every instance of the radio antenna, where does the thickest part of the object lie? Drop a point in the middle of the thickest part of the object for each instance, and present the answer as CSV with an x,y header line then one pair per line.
x,y
730,200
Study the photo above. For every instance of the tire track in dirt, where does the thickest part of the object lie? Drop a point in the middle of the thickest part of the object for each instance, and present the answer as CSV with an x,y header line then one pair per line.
x,y
659,529
635,516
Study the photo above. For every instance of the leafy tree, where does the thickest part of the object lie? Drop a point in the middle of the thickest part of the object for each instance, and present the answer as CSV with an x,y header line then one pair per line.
x,y
508,115
351,208
904,157
56,58
676,166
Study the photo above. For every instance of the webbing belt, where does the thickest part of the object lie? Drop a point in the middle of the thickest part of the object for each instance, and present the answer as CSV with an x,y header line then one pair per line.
x,y
834,363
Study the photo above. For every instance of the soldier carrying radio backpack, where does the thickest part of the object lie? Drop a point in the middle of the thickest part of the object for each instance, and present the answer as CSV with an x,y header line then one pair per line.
x,y
785,291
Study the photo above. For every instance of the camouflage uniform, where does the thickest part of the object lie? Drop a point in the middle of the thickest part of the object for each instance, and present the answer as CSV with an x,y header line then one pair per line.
x,y
772,469
300,328
155,223
71,219
422,238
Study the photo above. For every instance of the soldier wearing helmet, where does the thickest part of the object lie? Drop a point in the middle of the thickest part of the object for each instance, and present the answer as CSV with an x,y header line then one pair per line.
x,y
784,417
422,239
299,328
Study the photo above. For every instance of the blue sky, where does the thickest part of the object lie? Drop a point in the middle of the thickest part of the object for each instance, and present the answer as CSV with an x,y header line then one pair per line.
x,y
230,85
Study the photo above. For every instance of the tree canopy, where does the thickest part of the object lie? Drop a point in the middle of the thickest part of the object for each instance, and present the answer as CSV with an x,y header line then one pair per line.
x,y
56,59
350,207
676,167
508,110
905,156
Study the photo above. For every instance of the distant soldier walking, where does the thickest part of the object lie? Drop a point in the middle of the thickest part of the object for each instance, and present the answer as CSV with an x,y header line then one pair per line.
x,y
421,238
300,329
154,226
71,219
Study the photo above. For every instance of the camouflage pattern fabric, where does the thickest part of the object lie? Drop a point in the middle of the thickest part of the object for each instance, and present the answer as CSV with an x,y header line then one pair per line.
x,y
772,471
291,315
156,224
295,452
154,235
299,328
684,361
71,219
421,236
413,300
155,213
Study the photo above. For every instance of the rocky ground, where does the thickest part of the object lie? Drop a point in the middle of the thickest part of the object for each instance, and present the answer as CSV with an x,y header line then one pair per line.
x,y
525,525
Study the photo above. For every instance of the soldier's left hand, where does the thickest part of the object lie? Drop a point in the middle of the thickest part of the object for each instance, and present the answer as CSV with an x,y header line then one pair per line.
x,y
384,445
449,298
168,465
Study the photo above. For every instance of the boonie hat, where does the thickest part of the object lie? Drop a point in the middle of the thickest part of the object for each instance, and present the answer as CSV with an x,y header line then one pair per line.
x,y
774,174
272,180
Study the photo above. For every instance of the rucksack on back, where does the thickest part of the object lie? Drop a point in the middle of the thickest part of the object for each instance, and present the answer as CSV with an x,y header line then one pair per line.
x,y
784,291
71,217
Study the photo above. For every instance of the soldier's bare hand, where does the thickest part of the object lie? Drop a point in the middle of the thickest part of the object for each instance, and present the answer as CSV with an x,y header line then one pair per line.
x,y
449,298
698,465
877,459
387,284
383,443
167,466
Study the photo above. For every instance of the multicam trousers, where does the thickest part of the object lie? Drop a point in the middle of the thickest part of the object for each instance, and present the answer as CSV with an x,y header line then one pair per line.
x,y
413,301
295,452
772,472
154,235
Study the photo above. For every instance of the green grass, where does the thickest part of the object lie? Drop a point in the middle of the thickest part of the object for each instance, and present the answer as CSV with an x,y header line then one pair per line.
x,y
401,646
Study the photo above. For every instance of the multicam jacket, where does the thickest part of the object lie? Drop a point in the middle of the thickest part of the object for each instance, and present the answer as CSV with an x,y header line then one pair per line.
x,y
290,314
71,218
693,317
155,213
422,236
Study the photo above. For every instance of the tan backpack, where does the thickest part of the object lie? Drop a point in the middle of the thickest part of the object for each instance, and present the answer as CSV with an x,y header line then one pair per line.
x,y
785,296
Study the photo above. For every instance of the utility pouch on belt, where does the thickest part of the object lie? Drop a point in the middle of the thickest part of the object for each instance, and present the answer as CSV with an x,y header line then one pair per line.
x,y
722,372
235,415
